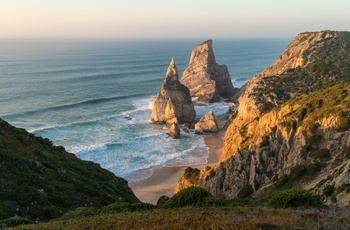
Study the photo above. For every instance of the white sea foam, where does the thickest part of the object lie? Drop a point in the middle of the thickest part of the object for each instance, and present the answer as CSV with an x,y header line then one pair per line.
x,y
81,149
218,108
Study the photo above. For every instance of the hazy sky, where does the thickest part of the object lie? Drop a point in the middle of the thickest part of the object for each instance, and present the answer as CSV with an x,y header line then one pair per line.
x,y
170,19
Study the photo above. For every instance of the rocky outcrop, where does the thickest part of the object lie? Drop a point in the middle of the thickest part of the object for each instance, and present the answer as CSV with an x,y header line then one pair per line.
x,y
188,179
174,130
173,100
278,138
311,62
204,77
207,124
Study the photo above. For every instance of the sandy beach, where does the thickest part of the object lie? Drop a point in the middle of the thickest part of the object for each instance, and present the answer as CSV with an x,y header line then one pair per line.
x,y
164,180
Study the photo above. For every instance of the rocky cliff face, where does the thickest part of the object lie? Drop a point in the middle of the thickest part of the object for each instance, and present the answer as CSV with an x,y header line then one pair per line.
x,y
173,100
204,77
276,142
312,61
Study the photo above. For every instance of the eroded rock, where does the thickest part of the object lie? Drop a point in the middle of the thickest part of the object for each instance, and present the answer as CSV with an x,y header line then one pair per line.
x,y
207,124
204,77
173,100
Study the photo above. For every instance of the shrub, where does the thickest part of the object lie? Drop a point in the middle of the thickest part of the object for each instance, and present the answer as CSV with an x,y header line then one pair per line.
x,y
347,152
296,173
314,138
294,197
215,201
192,175
314,168
14,221
79,212
281,182
245,192
322,153
328,190
126,207
188,196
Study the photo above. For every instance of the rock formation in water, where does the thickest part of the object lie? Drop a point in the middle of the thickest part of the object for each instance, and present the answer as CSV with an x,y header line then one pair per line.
x,y
174,130
173,100
204,77
207,124
292,125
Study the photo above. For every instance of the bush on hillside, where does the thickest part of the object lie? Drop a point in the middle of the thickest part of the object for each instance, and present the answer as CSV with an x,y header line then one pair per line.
x,y
126,207
79,213
245,192
294,197
188,196
14,221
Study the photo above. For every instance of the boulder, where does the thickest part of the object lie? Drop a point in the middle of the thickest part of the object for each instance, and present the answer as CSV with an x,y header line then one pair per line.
x,y
174,130
173,100
185,129
204,77
206,124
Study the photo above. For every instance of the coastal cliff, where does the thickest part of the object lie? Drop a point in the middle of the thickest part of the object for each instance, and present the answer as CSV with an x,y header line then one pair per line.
x,y
291,127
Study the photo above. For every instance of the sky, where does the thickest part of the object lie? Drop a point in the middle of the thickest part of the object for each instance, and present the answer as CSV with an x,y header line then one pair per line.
x,y
170,19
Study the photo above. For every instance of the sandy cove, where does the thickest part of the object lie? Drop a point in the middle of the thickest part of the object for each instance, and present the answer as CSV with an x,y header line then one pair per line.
x,y
163,181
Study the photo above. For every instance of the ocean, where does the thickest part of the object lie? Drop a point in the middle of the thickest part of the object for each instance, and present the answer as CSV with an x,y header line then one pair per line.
x,y
94,96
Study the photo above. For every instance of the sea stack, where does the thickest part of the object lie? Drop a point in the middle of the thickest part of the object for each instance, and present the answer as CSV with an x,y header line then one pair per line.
x,y
204,77
173,102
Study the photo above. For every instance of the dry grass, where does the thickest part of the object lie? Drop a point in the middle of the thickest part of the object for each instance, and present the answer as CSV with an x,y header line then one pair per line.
x,y
209,218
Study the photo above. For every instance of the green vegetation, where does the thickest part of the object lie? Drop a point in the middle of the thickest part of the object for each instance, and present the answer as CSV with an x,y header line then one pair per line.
x,y
192,175
322,153
192,208
344,187
328,190
347,152
14,221
294,197
245,192
126,207
188,196
228,217
297,173
40,181
79,213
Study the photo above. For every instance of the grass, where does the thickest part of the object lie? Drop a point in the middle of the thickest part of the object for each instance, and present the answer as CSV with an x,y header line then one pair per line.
x,y
229,217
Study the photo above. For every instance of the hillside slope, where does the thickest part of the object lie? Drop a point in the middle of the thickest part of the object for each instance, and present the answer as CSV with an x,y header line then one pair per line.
x,y
291,126
42,181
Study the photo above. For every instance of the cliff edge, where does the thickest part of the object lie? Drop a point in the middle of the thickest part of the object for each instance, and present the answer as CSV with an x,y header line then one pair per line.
x,y
291,127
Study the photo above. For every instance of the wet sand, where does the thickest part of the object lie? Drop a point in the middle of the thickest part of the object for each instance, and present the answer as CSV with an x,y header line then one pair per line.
x,y
163,181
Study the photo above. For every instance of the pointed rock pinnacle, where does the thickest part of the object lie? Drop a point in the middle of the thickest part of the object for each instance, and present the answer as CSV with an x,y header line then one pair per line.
x,y
172,72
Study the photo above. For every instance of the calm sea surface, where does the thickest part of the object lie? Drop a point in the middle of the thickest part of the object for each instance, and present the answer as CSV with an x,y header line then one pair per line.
x,y
94,96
